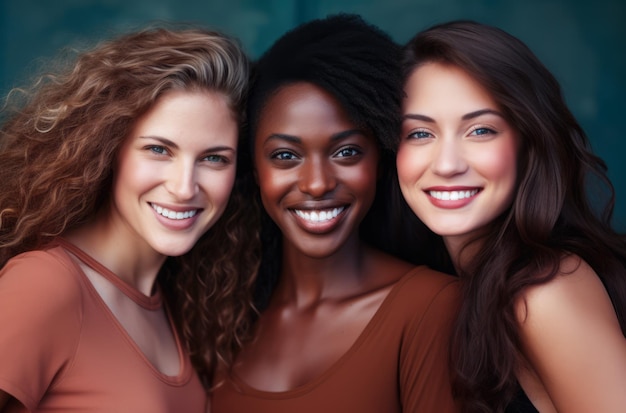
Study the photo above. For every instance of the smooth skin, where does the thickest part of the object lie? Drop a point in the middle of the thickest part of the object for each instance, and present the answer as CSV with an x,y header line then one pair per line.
x,y
179,161
457,160
573,350
317,175
180,155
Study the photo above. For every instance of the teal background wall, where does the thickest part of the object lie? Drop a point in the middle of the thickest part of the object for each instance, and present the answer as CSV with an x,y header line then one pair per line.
x,y
582,42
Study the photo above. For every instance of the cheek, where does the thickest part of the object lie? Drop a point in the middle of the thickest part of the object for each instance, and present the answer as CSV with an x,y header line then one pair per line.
x,y
273,186
499,163
269,183
364,180
411,164
220,187
135,176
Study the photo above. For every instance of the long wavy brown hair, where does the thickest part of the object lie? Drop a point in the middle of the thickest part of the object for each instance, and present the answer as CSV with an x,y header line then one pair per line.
x,y
563,204
58,145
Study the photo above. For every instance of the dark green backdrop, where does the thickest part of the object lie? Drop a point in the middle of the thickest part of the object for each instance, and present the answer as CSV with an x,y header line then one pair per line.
x,y
582,42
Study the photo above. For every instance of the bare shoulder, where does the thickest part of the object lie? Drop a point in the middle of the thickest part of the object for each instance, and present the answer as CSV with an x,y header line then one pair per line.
x,y
570,335
576,291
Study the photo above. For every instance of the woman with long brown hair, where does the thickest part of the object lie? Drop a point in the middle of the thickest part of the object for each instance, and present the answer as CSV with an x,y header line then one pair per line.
x,y
125,260
492,160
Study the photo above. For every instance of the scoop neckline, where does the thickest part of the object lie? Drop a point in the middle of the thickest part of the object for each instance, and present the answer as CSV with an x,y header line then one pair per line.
x,y
152,303
358,342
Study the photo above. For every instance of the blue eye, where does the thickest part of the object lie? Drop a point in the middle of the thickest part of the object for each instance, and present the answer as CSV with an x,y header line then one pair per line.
x,y
157,149
420,134
482,131
217,159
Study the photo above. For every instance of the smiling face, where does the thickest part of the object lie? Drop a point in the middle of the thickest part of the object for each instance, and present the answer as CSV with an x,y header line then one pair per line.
x,y
457,158
175,172
316,170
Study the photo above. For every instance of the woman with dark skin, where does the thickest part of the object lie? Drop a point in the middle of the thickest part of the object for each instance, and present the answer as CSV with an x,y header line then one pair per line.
x,y
126,257
347,328
492,160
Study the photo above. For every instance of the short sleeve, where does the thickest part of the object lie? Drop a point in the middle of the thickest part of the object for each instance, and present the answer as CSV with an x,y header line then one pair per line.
x,y
425,379
40,313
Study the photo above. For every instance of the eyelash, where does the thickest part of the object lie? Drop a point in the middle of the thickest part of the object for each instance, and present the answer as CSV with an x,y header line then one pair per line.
x,y
157,149
160,150
292,156
354,152
415,134
277,155
473,132
488,131
220,159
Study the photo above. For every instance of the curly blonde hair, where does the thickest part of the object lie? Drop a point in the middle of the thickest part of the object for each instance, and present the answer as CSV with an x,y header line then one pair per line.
x,y
58,146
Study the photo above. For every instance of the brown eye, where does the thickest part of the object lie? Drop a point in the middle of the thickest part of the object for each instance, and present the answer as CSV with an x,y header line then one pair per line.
x,y
346,152
283,156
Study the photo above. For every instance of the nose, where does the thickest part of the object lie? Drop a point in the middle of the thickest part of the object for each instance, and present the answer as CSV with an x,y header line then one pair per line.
x,y
448,158
181,181
316,178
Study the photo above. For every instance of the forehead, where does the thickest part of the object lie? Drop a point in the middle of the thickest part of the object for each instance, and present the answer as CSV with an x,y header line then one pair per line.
x,y
298,92
300,107
438,85
200,118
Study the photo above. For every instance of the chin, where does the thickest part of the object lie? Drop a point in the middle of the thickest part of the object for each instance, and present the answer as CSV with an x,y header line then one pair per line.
x,y
318,253
174,250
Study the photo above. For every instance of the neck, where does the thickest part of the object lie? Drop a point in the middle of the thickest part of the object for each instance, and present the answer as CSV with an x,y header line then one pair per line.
x,y
307,280
461,251
120,253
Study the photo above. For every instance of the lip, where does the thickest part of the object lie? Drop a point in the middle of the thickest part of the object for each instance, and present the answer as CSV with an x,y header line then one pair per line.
x,y
452,197
186,216
318,218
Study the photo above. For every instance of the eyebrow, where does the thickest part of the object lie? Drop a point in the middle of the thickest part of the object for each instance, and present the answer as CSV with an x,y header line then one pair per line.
x,y
481,112
467,116
295,139
416,116
171,144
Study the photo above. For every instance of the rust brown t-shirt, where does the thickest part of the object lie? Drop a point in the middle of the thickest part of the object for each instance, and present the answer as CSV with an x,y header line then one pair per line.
x,y
62,350
399,363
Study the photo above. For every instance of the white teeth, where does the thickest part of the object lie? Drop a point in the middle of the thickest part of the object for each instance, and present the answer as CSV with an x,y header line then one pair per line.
x,y
173,214
319,216
452,195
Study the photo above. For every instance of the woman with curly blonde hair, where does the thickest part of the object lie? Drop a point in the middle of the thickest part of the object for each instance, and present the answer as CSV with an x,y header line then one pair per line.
x,y
126,248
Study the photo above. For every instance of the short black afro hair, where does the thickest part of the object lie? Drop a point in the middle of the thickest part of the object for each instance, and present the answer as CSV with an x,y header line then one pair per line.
x,y
354,61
